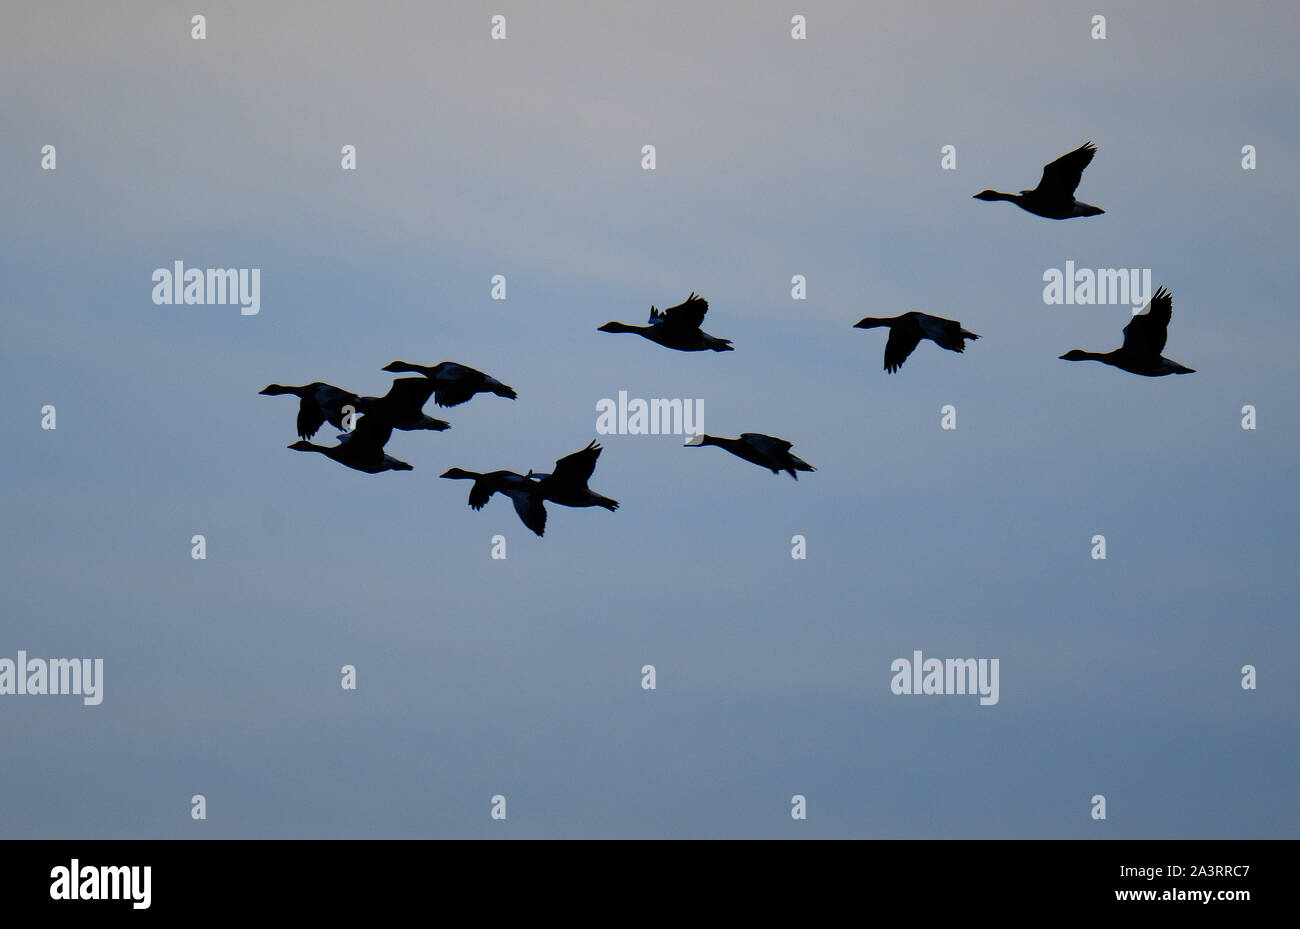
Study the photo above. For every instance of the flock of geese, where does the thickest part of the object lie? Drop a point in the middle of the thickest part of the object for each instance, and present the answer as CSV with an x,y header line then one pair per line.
x,y
368,422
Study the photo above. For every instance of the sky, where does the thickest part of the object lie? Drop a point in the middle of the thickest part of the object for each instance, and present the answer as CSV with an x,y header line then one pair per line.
x,y
522,677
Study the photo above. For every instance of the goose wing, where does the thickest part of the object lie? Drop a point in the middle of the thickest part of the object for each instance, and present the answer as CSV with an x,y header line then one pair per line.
x,y
453,394
1147,332
481,491
493,482
687,315
330,402
310,417
409,393
576,468
903,339
531,509
1062,176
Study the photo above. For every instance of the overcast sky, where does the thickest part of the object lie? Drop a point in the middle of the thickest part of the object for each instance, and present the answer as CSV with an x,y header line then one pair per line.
x,y
522,676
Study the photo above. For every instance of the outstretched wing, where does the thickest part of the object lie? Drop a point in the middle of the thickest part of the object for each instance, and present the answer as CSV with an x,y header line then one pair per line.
x,y
409,393
1147,332
310,417
531,510
452,394
1062,176
480,493
689,314
577,468
902,341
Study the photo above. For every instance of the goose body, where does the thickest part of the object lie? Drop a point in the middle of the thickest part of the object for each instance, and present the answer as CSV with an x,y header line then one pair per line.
x,y
454,383
677,327
362,449
1053,198
567,484
522,491
318,403
403,406
763,450
1144,340
907,331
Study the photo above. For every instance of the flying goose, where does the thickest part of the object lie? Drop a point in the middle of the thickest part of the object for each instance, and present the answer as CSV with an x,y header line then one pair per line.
x,y
907,331
521,490
1144,340
318,402
567,484
677,327
403,406
763,450
454,383
362,449
1053,198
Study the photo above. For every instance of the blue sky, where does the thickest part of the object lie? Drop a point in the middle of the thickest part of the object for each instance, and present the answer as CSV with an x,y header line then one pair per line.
x,y
522,676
